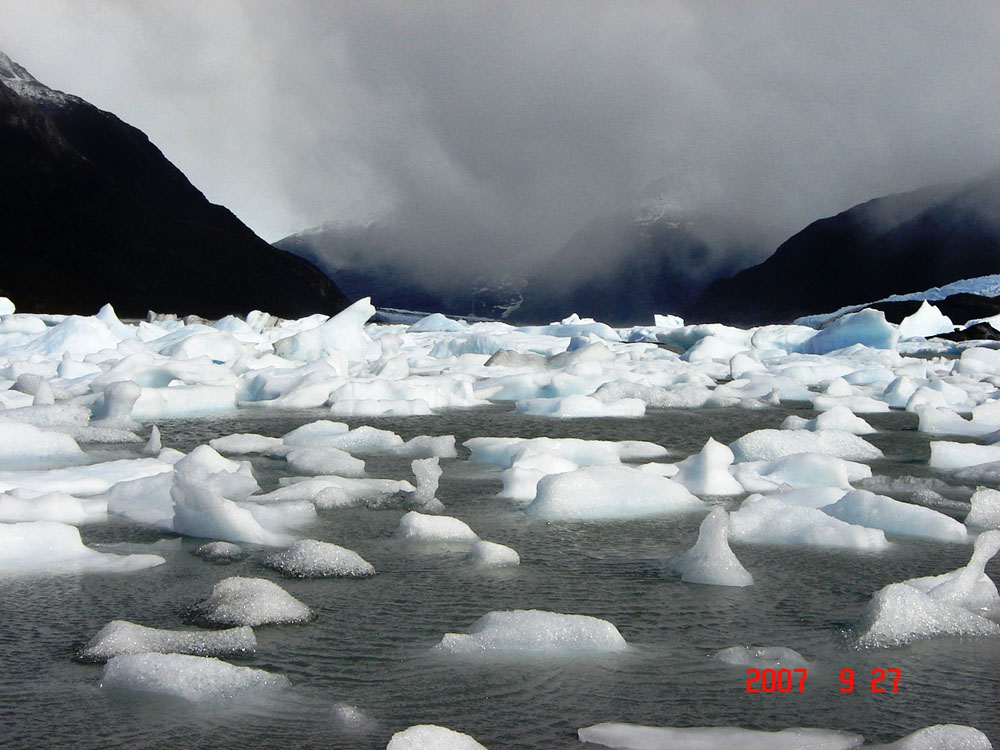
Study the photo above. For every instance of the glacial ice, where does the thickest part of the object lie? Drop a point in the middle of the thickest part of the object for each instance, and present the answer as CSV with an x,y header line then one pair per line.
x,y
707,472
432,737
24,446
19,506
250,601
763,657
425,529
638,737
122,637
837,418
950,455
48,547
193,678
767,520
711,561
609,492
492,555
894,517
534,633
985,511
221,553
768,445
308,558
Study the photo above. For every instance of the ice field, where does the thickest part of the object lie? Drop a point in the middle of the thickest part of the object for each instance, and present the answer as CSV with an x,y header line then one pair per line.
x,y
326,532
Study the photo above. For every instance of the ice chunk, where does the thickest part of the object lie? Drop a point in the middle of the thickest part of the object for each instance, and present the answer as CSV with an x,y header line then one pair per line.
x,y
53,506
243,443
427,446
353,720
184,401
502,452
332,492
638,737
427,473
154,445
367,407
942,737
766,520
425,529
307,434
24,446
763,657
949,455
985,511
250,601
707,472
799,470
767,445
49,547
710,560
899,613
895,517
221,553
202,512
493,555
969,586
938,420
324,461
838,418
534,633
579,406
609,492
520,481
193,678
867,327
361,440
432,737
122,637
309,558
927,321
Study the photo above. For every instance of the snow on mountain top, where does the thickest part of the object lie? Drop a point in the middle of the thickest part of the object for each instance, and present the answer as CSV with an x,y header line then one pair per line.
x,y
25,84
985,286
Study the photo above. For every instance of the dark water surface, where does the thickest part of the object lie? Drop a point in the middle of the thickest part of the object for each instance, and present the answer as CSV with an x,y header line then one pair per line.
x,y
370,645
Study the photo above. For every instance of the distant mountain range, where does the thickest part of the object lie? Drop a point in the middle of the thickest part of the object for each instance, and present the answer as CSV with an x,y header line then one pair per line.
x,y
92,212
620,268
892,245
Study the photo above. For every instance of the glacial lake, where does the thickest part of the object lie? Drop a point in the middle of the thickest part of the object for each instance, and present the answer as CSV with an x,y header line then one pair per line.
x,y
371,643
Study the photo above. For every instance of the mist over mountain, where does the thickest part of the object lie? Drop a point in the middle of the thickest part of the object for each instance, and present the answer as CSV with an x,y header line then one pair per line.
x,y
896,244
92,212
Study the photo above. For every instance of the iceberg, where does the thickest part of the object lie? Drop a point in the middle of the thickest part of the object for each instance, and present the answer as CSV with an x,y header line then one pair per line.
x,y
309,558
711,561
432,737
122,637
250,601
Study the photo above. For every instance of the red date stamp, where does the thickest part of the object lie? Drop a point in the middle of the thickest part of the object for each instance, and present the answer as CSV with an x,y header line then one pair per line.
x,y
794,680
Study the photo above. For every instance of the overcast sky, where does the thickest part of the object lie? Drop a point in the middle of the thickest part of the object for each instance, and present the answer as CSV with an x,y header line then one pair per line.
x,y
518,121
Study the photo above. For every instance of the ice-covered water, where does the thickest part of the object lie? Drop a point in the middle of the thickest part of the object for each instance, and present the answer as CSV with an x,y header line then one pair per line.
x,y
370,646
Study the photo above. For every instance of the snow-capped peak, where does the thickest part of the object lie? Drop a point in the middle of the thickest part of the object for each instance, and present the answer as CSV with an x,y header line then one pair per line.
x,y
25,84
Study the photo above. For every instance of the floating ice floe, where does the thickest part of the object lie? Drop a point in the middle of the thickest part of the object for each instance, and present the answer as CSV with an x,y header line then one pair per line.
x,y
894,517
711,561
767,520
534,633
799,470
20,506
221,553
946,454
48,547
426,529
638,737
609,492
193,678
122,637
950,604
707,472
985,510
427,473
503,452
308,558
837,418
250,601
768,445
492,555
763,657
432,737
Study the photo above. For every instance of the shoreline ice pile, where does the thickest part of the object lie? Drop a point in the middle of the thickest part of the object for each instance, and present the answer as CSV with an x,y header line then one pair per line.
x,y
72,386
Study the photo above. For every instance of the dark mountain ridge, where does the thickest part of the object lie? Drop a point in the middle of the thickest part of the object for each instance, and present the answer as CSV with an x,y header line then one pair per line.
x,y
92,212
893,245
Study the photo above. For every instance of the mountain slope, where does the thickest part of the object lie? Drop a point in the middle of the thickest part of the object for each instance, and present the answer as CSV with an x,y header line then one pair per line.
x,y
92,212
890,245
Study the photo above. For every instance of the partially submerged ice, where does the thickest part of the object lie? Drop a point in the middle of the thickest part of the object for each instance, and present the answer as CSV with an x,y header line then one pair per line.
x,y
193,678
609,492
309,558
763,657
534,633
426,529
432,737
47,547
492,555
710,561
951,604
250,601
122,637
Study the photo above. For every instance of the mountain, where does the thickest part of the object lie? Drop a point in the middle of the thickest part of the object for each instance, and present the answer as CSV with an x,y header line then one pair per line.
x,y
896,244
92,212
624,267
620,268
